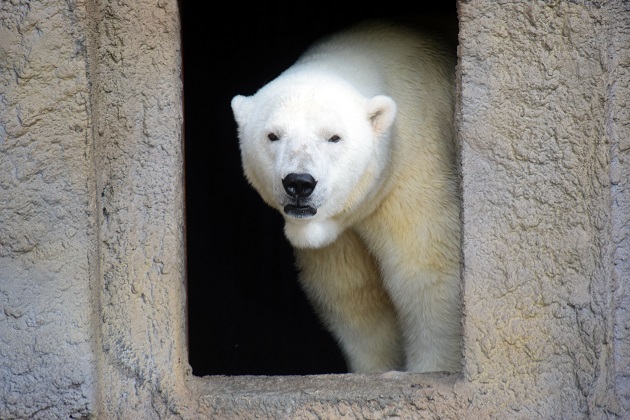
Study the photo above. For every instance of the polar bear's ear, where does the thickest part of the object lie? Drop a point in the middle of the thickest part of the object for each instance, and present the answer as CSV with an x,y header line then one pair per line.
x,y
240,108
382,113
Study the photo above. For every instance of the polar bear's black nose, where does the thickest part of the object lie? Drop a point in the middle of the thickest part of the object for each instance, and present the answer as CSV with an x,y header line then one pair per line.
x,y
299,185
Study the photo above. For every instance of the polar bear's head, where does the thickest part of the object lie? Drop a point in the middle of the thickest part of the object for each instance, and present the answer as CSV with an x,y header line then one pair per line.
x,y
314,148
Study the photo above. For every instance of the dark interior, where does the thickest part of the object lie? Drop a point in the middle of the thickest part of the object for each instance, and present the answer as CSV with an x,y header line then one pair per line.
x,y
246,311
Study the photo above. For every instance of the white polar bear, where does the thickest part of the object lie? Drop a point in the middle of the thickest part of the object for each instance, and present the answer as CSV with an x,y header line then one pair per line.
x,y
354,145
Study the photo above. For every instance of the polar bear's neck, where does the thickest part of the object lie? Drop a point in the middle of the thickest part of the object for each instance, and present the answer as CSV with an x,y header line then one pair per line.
x,y
313,233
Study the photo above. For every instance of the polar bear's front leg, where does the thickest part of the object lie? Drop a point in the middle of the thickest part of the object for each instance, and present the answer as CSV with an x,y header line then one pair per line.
x,y
419,262
429,309
343,283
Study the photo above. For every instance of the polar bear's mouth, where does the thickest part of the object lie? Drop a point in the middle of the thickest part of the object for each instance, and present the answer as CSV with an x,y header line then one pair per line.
x,y
299,211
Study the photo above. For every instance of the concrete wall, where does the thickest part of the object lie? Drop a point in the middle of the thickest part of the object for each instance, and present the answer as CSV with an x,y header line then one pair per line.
x,y
92,290
48,237
535,127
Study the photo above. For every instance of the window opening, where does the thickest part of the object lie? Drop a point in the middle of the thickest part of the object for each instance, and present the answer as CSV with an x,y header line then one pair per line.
x,y
246,311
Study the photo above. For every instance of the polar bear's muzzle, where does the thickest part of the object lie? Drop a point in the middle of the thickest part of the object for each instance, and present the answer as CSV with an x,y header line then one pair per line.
x,y
299,187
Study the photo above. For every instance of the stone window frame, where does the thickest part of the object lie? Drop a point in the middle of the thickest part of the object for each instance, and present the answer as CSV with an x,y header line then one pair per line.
x,y
142,257
141,339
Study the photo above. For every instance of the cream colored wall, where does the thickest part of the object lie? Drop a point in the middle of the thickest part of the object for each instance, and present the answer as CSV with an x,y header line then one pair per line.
x,y
91,225
48,254
535,126
135,64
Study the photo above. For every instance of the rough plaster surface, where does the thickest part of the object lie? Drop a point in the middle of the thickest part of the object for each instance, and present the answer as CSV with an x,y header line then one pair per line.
x,y
91,234
47,362
619,134
391,395
537,206
136,76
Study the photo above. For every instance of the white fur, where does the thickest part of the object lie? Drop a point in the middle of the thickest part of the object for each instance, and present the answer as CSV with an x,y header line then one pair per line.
x,y
380,257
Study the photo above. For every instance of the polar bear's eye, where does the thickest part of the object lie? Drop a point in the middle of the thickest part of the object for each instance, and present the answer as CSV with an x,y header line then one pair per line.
x,y
334,139
272,136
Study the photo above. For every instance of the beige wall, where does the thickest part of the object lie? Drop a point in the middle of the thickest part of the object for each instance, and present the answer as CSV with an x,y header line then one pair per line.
x,y
91,226
536,150
48,237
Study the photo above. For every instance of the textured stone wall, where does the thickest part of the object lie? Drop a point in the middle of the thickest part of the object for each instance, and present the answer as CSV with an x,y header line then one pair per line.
x,y
92,308
47,242
535,129
92,296
135,57
618,132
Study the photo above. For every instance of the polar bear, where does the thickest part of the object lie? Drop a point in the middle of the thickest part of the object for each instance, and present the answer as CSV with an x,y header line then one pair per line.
x,y
354,145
